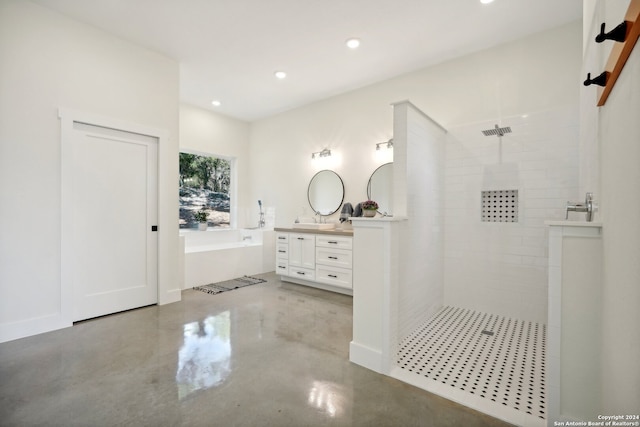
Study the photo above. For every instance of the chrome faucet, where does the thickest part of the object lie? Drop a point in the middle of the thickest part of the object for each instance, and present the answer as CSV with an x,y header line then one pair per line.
x,y
587,207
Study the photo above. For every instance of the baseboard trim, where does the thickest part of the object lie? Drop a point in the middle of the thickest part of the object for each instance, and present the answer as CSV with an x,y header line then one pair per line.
x,y
366,356
26,328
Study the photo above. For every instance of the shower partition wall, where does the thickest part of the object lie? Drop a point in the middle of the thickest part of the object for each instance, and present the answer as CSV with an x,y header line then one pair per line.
x,y
419,150
398,264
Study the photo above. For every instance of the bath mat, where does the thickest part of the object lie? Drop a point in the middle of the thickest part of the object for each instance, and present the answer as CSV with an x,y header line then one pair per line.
x,y
229,285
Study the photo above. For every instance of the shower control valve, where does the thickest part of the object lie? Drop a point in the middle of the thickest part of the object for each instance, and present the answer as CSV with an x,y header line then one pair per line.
x,y
587,207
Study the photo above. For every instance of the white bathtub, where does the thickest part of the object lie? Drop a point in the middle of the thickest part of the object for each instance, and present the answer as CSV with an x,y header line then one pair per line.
x,y
217,255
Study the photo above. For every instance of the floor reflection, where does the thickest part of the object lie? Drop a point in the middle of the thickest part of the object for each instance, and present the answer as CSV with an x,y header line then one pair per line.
x,y
204,360
327,397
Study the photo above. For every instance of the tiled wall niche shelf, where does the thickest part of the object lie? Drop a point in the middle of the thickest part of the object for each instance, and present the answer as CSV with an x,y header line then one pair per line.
x,y
620,52
500,206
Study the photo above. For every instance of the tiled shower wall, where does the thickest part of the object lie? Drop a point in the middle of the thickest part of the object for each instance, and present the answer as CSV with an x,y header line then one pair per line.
x,y
419,182
501,267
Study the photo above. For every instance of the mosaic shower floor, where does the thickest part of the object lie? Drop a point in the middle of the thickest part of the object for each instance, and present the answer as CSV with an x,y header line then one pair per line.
x,y
486,355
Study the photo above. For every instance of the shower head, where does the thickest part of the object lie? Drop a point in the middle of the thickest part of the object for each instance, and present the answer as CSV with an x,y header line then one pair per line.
x,y
498,131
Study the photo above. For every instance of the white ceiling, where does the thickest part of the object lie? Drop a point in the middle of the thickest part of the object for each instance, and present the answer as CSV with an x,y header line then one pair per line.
x,y
229,49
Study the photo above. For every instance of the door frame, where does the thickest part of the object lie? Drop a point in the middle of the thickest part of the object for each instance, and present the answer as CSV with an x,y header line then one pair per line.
x,y
67,118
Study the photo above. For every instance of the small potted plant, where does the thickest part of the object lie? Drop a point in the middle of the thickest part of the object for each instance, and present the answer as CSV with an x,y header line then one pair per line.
x,y
369,208
201,216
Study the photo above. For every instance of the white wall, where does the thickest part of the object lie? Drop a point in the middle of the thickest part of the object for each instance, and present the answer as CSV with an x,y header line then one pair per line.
x,y
48,61
210,133
281,165
537,75
616,151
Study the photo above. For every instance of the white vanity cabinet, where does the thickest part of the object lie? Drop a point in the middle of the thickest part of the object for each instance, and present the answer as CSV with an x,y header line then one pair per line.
x,y
320,260
302,257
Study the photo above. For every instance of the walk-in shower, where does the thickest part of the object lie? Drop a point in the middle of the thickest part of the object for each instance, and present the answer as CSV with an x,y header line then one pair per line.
x,y
486,345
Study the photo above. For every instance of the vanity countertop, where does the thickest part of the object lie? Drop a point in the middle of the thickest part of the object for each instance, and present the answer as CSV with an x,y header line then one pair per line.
x,y
335,232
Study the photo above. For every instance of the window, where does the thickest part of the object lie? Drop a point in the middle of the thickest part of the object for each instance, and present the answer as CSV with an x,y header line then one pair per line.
x,y
205,185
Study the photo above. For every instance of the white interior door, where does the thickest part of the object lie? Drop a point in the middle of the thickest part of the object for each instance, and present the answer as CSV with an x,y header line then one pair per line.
x,y
113,243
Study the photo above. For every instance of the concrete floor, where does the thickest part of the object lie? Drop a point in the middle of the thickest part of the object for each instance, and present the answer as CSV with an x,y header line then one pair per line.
x,y
272,354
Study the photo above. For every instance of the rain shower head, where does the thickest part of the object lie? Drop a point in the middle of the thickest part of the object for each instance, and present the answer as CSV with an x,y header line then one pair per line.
x,y
498,131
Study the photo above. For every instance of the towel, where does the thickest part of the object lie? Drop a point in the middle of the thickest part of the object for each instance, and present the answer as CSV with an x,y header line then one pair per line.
x,y
346,212
358,210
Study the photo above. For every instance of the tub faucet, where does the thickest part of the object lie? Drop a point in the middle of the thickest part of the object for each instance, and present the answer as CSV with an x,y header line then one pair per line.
x,y
587,207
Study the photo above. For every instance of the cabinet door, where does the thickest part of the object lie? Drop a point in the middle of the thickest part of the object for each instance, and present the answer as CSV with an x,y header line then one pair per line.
x,y
302,250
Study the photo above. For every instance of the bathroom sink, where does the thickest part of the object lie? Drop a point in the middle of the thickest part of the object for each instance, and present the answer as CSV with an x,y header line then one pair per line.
x,y
314,226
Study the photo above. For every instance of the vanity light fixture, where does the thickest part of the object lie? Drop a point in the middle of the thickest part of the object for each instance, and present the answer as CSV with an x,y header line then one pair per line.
x,y
324,153
388,143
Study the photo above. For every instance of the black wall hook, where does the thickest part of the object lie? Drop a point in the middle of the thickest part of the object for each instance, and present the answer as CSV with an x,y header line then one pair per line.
x,y
618,34
601,80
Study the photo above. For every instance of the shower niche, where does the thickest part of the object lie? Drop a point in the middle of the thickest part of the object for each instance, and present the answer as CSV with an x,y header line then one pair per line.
x,y
500,206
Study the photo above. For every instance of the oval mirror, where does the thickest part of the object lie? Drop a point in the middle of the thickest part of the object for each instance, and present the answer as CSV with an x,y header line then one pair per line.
x,y
380,188
326,192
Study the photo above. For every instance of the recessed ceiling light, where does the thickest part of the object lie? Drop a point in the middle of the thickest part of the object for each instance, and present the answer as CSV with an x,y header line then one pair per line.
x,y
486,1
216,103
280,74
353,43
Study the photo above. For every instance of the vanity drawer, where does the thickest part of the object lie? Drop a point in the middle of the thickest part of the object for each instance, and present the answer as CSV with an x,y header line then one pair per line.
x,y
282,267
282,237
329,241
334,257
282,250
334,276
302,273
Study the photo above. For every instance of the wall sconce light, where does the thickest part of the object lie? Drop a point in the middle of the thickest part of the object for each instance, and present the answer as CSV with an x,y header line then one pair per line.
x,y
324,153
388,143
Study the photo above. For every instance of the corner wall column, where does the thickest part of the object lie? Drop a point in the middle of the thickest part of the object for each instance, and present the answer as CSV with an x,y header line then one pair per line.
x,y
574,324
375,300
